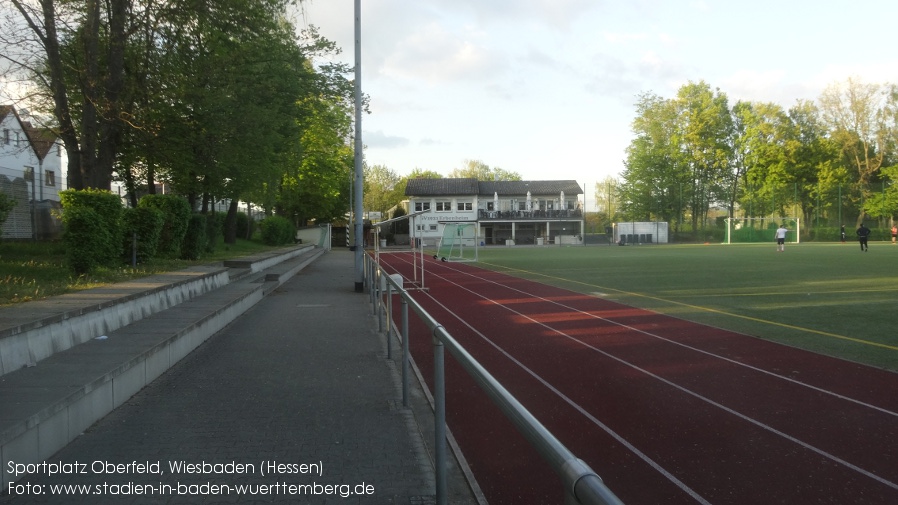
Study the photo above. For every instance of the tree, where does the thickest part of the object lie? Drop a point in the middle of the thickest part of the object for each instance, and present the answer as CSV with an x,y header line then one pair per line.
x,y
381,189
654,176
858,117
704,130
78,57
479,170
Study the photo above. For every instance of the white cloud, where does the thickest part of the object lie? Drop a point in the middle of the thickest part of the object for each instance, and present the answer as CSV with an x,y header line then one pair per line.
x,y
381,140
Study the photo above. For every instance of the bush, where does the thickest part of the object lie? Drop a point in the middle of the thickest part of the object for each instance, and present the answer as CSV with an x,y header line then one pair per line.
x,y
245,225
105,223
195,241
277,230
214,230
7,204
84,239
147,223
177,213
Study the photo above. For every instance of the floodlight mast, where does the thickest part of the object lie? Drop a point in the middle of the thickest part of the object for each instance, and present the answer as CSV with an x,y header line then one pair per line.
x,y
358,188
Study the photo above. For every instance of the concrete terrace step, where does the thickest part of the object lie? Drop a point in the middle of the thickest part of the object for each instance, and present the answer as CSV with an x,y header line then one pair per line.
x,y
35,330
48,403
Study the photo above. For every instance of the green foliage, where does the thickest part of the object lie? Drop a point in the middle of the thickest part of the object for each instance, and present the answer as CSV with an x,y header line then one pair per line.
x,y
245,225
214,230
6,205
93,233
176,212
88,245
482,172
147,223
277,230
195,241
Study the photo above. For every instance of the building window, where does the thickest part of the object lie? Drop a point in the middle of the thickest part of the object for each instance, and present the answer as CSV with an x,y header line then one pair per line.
x,y
29,174
444,206
6,136
433,227
465,206
420,206
50,178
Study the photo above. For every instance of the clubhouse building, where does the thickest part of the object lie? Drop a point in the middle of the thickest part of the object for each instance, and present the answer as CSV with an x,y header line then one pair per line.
x,y
503,212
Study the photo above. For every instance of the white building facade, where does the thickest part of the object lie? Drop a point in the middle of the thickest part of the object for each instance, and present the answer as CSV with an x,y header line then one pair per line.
x,y
504,212
32,172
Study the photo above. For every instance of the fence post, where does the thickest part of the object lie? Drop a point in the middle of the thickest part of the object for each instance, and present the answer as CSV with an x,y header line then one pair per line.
x,y
439,418
389,317
405,353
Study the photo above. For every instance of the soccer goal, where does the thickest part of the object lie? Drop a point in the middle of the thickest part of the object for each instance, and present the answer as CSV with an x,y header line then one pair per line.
x,y
458,242
747,230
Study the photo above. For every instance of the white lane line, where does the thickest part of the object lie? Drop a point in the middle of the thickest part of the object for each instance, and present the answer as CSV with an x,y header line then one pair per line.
x,y
686,346
729,410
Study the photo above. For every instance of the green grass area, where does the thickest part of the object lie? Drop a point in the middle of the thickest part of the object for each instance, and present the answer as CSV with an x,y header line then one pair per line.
x,y
829,298
36,270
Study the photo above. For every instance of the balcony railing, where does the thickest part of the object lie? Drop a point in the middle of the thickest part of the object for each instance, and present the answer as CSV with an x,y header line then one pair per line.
x,y
505,215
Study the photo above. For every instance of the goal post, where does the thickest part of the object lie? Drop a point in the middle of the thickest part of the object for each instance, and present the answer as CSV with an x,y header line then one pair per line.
x,y
458,242
755,230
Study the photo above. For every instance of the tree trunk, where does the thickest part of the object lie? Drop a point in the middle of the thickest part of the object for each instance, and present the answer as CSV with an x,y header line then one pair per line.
x,y
230,231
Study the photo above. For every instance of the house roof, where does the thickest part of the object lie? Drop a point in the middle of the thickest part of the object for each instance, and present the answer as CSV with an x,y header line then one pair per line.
x,y
41,139
441,187
447,187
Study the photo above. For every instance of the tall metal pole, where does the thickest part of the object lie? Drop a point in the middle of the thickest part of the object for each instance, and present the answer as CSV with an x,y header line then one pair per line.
x,y
358,209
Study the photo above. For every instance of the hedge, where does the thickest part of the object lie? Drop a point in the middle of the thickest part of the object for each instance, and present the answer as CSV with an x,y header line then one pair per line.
x,y
147,223
277,230
93,234
177,213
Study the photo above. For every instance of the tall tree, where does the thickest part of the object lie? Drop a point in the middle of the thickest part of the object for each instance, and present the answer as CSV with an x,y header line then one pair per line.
x,y
381,188
858,117
482,172
79,59
704,136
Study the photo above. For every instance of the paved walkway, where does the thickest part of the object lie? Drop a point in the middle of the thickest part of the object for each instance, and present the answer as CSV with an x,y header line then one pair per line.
x,y
294,400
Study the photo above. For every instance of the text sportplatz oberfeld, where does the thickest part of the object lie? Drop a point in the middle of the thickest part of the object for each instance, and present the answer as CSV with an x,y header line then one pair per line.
x,y
262,468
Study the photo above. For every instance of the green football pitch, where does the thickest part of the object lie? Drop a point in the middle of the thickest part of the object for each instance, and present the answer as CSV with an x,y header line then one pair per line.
x,y
829,298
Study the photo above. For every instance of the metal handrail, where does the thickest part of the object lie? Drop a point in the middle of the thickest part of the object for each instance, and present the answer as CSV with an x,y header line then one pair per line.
x,y
581,484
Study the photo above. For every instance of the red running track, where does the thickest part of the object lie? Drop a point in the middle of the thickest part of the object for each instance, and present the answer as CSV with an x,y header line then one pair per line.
x,y
664,410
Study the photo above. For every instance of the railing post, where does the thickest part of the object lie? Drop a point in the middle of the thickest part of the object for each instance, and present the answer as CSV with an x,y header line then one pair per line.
x,y
439,418
379,302
405,352
389,317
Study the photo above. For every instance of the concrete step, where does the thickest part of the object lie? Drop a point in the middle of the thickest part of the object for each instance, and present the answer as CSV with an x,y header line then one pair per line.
x,y
46,404
33,331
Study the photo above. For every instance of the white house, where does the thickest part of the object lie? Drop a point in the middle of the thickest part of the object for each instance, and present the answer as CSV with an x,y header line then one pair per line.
x,y
32,171
504,212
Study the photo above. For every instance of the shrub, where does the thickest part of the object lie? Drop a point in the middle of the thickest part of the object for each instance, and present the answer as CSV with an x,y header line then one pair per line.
x,y
214,230
245,225
84,239
277,230
147,223
105,223
194,243
177,213
7,204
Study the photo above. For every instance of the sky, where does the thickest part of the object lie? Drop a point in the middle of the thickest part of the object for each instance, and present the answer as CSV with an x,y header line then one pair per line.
x,y
546,88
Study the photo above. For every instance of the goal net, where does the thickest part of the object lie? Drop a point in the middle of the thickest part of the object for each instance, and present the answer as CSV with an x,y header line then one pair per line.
x,y
458,242
747,230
